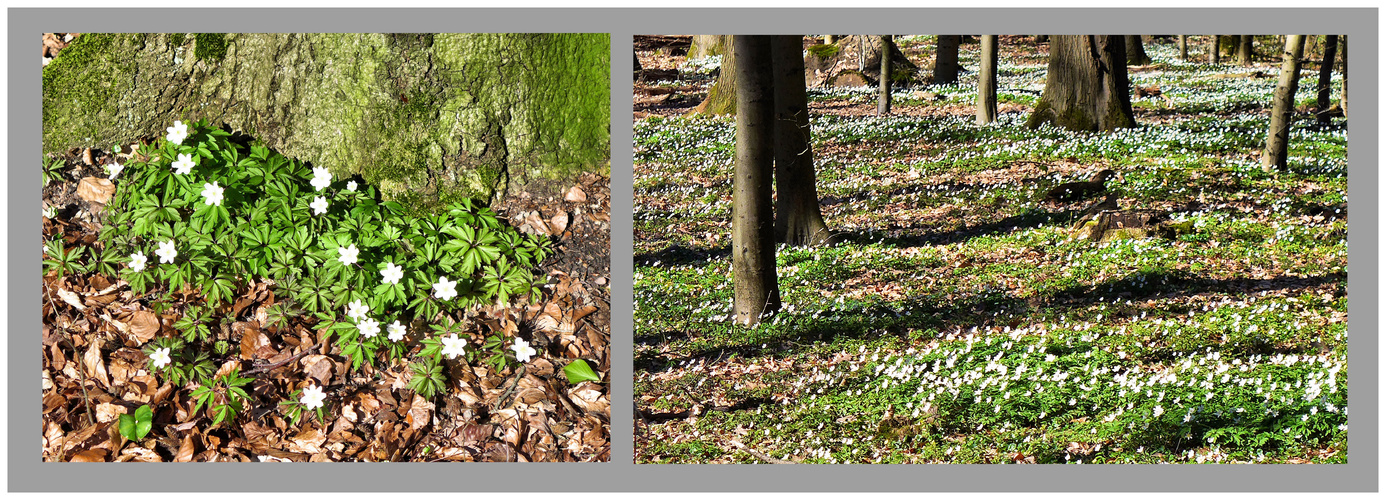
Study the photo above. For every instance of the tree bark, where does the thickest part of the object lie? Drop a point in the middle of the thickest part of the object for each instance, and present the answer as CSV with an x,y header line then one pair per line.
x,y
829,39
429,118
1087,88
709,45
1330,54
883,100
721,98
753,248
1135,51
798,220
1214,55
1278,138
946,59
1244,50
1183,47
986,82
1342,46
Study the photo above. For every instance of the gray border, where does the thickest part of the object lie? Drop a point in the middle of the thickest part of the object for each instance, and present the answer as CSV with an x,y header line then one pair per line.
x,y
26,473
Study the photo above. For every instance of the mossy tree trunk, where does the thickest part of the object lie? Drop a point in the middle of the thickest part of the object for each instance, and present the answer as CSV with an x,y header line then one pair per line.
x,y
798,220
721,98
1087,88
709,45
1330,54
883,97
946,59
1135,51
754,279
986,82
430,118
1283,105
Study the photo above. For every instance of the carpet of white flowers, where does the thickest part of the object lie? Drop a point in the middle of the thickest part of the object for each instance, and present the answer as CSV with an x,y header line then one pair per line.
x,y
960,320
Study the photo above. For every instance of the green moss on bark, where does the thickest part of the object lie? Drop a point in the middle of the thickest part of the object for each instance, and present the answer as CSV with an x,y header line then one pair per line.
x,y
209,46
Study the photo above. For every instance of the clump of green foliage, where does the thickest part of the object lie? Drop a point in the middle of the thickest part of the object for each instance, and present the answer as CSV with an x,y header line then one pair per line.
x,y
228,214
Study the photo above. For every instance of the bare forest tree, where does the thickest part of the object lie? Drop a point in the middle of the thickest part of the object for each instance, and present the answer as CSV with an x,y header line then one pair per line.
x,y
798,220
1244,50
755,281
1342,47
1135,51
1214,56
1183,47
946,59
721,98
883,101
1283,105
1087,88
986,82
1330,53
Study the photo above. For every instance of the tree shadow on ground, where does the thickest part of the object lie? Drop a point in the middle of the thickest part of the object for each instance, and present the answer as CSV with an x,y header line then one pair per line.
x,y
797,334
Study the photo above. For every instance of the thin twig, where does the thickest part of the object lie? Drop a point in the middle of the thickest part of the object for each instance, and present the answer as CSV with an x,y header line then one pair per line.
x,y
271,366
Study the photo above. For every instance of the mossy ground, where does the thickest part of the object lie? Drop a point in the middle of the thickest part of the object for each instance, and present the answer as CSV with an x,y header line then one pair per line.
x,y
958,294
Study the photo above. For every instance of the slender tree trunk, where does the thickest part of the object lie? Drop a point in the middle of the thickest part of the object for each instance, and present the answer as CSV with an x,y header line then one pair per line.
x,y
986,83
1342,45
946,59
753,245
1183,47
1135,51
861,53
798,220
883,102
1087,88
1330,54
1278,138
1244,50
1214,55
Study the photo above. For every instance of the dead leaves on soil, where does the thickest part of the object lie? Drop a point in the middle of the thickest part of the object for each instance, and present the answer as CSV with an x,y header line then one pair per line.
x,y
94,371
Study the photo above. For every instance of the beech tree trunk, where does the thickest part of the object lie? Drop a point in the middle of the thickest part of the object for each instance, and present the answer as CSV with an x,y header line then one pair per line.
x,y
1330,54
798,220
986,82
946,59
1183,47
709,45
753,246
1135,51
721,98
1214,55
1087,88
429,118
1244,50
883,101
1278,138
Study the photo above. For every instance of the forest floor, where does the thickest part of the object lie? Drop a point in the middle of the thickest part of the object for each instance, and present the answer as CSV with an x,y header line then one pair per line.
x,y
94,370
962,320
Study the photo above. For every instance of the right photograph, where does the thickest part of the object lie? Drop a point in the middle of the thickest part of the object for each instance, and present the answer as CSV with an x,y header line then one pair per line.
x,y
1008,249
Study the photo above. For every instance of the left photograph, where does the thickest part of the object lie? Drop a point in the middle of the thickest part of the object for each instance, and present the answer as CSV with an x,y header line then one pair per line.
x,y
326,247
